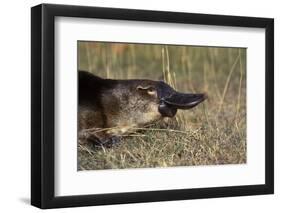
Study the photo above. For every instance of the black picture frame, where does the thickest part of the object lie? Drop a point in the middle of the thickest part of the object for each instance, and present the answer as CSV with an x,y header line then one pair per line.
x,y
43,117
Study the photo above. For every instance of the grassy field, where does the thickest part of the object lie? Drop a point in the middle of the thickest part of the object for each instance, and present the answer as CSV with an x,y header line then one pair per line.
x,y
210,134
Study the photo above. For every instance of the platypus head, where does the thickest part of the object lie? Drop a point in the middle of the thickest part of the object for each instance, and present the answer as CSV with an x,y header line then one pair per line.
x,y
168,100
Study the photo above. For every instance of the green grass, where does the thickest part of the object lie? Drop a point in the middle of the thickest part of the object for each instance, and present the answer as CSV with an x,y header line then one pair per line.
x,y
212,133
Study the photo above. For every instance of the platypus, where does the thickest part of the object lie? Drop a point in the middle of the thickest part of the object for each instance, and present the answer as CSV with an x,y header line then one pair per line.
x,y
109,108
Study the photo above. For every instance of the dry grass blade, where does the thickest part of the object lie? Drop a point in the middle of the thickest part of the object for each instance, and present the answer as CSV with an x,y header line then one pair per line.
x,y
163,130
240,87
227,83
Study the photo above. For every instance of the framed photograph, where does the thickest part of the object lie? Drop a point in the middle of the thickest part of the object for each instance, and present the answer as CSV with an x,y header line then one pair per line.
x,y
139,106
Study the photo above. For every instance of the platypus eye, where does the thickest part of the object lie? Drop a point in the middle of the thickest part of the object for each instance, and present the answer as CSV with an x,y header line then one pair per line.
x,y
150,90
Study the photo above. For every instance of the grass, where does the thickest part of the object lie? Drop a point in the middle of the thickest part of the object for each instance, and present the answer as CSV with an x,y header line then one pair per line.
x,y
212,133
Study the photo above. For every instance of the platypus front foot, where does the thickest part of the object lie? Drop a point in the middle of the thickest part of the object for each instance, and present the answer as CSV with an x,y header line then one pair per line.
x,y
110,142
107,141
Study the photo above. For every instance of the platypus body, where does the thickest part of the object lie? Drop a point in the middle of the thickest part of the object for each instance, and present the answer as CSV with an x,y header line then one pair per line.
x,y
109,108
